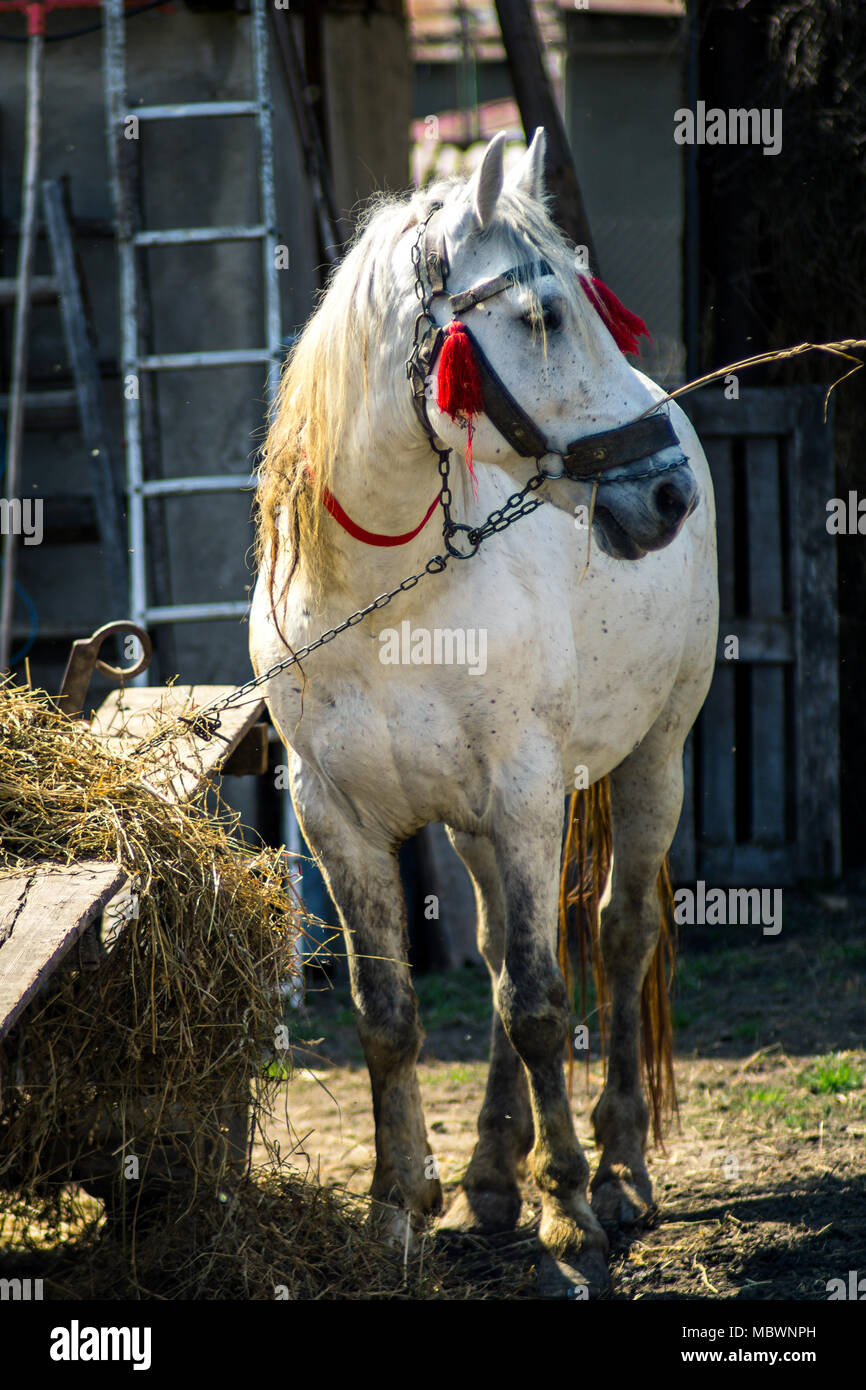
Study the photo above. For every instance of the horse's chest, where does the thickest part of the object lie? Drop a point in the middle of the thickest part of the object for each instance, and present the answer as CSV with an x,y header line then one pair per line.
x,y
423,716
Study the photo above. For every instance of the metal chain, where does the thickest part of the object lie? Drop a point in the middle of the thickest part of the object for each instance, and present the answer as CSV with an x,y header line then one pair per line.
x,y
205,723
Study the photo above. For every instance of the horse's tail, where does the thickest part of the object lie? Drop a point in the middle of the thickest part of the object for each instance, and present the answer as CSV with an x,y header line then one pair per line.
x,y
586,865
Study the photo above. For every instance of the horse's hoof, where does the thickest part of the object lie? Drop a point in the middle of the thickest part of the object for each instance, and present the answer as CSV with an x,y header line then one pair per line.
x,y
623,1198
581,1277
478,1210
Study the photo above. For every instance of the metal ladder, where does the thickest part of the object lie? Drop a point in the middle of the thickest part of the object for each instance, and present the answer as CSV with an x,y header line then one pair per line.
x,y
130,239
104,505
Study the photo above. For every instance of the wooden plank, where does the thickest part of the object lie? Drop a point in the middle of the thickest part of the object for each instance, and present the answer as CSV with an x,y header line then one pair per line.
x,y
720,458
180,764
759,410
750,866
42,914
716,813
762,641
768,782
816,637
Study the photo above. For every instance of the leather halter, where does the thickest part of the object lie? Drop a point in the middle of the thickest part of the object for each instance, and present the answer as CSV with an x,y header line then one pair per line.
x,y
586,458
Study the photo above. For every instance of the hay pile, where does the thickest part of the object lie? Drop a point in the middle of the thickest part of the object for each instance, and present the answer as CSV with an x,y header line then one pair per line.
x,y
149,1049
139,1058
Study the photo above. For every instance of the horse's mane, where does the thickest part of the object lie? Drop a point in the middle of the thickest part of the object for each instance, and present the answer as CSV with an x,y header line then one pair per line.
x,y
357,338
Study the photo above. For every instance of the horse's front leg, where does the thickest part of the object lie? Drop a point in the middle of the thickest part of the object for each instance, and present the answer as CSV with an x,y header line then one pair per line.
x,y
532,1001
489,1198
364,882
646,797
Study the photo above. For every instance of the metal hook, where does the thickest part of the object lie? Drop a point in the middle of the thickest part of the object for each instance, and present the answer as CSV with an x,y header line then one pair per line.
x,y
84,657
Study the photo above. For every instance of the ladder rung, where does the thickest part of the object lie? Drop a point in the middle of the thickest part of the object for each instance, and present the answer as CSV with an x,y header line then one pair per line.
x,y
176,111
178,361
187,487
43,288
196,612
45,400
191,236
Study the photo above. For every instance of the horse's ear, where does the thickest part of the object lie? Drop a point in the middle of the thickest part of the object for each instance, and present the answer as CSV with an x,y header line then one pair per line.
x,y
528,173
485,185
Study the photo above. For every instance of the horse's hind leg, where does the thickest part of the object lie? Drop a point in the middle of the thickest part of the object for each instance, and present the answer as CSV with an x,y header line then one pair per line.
x,y
489,1197
646,797
364,882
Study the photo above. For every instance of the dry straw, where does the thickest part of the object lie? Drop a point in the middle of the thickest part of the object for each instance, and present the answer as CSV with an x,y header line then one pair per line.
x,y
141,1057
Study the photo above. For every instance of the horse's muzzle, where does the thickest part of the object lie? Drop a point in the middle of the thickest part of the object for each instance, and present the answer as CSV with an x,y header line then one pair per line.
x,y
647,513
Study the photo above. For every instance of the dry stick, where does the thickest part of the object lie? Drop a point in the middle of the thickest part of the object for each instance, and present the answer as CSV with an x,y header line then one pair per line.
x,y
782,355
589,530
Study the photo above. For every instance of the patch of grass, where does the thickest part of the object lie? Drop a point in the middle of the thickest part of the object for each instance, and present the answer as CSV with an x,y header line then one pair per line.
x,y
768,1095
832,1076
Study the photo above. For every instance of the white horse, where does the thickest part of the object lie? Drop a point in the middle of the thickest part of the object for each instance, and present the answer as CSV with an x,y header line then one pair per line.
x,y
605,675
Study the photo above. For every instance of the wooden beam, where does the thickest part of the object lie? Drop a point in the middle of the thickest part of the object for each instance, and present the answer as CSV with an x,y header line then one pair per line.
x,y
128,717
756,411
816,637
43,912
538,107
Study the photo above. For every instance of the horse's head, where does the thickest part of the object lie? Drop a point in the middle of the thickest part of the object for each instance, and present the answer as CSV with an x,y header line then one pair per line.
x,y
541,336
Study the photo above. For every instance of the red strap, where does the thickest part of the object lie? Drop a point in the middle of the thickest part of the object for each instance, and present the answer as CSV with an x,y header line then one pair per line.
x,y
372,537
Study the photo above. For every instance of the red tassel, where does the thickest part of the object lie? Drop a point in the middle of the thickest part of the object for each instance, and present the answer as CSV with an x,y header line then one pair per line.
x,y
625,327
458,388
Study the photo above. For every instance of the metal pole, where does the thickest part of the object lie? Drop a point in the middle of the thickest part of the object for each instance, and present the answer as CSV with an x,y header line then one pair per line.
x,y
26,246
267,196
114,65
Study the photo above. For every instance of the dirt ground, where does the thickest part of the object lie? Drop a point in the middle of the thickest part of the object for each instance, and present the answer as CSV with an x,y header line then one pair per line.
x,y
761,1188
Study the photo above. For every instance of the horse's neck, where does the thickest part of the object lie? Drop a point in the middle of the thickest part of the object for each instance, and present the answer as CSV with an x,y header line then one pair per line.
x,y
388,492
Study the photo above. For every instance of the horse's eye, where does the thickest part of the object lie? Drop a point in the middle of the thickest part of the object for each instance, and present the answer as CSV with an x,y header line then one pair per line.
x,y
550,317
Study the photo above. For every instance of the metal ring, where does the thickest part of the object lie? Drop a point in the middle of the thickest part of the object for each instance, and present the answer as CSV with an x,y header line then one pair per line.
x,y
454,527
123,673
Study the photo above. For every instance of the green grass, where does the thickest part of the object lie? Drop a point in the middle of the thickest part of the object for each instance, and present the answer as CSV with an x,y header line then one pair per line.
x,y
768,1096
822,1092
832,1076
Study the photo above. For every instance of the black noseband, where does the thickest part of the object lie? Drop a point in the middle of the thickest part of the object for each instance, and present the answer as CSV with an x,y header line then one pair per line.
x,y
584,459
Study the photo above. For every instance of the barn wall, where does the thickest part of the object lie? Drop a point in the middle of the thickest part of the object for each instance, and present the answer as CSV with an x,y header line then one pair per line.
x,y
196,173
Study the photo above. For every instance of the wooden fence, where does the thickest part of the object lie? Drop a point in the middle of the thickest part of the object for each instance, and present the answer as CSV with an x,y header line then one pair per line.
x,y
762,766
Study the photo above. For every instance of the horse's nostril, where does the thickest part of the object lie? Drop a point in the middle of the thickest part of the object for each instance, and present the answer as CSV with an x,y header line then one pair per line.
x,y
672,502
